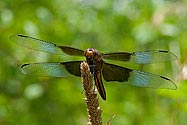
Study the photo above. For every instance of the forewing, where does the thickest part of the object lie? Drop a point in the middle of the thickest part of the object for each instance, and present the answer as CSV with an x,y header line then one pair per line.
x,y
142,57
41,45
135,77
64,69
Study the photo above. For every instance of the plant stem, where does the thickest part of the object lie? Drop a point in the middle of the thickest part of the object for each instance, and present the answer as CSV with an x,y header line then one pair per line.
x,y
91,98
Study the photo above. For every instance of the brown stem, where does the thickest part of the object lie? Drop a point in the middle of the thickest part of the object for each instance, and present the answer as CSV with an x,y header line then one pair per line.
x,y
91,98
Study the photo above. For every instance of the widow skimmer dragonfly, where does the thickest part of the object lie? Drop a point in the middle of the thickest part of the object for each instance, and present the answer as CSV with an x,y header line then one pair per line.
x,y
98,67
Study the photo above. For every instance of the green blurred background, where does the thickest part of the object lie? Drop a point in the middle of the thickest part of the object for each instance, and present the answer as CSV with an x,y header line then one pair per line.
x,y
109,26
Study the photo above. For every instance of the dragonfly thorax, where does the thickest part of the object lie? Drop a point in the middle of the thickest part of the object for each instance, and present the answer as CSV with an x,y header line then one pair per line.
x,y
94,59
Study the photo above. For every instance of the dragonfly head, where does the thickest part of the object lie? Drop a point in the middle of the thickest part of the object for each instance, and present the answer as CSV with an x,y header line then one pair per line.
x,y
90,53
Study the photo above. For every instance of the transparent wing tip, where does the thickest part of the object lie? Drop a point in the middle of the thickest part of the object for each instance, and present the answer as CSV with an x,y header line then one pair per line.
x,y
15,38
12,37
22,67
171,85
172,55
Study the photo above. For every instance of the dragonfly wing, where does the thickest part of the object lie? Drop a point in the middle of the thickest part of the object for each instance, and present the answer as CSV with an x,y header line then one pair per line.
x,y
41,45
63,69
135,77
142,57
121,56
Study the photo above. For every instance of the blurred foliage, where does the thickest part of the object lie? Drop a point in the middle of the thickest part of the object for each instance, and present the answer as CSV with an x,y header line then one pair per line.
x,y
109,26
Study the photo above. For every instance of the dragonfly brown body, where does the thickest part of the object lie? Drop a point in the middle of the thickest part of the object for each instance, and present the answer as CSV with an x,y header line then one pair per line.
x,y
95,62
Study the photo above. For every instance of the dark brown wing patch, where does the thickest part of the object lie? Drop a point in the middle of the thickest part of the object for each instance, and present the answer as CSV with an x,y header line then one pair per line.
x,y
73,67
115,73
121,56
72,51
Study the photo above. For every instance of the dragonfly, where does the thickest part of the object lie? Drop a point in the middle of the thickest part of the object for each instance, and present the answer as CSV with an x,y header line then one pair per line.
x,y
97,64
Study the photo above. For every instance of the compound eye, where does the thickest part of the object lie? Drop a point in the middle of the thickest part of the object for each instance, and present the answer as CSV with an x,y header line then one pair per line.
x,y
89,53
